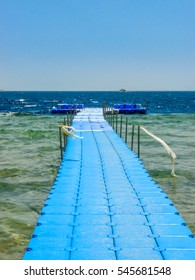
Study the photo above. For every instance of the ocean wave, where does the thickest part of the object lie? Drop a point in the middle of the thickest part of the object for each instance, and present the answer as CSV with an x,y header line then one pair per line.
x,y
22,114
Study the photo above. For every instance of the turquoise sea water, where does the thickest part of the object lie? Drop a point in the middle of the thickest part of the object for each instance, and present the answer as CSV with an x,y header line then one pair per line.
x,y
30,158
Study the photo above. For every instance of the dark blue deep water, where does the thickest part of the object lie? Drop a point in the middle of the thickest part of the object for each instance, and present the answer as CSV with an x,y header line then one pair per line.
x,y
42,101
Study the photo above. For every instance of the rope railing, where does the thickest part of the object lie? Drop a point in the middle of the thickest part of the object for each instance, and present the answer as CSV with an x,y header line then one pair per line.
x,y
112,118
65,131
69,131
167,148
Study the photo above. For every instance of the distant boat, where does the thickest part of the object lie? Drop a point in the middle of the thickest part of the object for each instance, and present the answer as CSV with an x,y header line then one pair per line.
x,y
130,108
67,108
122,90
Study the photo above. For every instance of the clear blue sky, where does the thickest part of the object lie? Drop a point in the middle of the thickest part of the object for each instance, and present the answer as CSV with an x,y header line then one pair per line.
x,y
97,44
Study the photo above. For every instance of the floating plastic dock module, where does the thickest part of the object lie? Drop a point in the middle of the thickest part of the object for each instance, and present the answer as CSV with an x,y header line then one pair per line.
x,y
105,206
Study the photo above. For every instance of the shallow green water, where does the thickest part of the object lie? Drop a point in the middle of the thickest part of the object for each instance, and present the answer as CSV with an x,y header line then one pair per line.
x,y
30,157
177,130
29,163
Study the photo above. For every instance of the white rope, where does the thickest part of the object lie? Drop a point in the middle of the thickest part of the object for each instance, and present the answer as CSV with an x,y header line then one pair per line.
x,y
167,148
69,131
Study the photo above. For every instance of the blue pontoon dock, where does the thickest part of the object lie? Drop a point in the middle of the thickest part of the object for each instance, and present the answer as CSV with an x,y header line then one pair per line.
x,y
105,206
67,108
130,108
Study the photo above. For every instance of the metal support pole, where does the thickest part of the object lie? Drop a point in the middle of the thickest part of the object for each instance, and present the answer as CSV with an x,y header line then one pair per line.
x,y
121,122
138,142
104,106
72,117
132,137
65,137
60,134
116,123
126,127
68,119
113,121
110,116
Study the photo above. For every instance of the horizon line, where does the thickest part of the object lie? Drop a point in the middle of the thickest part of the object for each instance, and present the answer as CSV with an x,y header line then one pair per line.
x,y
93,90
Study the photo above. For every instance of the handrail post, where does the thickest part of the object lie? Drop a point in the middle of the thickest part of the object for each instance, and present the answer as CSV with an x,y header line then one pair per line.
x,y
65,137
105,111
116,123
67,116
132,137
112,120
126,126
60,134
138,142
104,108
121,126
69,119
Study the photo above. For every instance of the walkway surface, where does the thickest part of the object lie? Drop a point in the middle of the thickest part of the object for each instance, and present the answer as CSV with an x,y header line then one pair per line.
x,y
105,206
